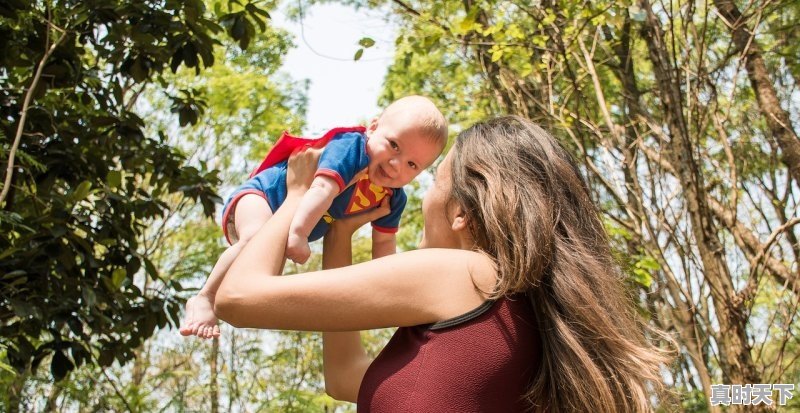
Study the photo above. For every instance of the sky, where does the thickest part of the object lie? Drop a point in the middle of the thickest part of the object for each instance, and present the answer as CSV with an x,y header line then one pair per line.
x,y
342,91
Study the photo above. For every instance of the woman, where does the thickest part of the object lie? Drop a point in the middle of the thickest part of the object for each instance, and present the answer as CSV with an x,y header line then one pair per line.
x,y
513,301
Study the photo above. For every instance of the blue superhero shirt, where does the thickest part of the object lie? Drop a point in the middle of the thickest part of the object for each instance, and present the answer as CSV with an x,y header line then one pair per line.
x,y
344,159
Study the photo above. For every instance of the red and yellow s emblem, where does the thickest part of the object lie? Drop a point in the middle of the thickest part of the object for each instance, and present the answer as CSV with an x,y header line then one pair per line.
x,y
366,195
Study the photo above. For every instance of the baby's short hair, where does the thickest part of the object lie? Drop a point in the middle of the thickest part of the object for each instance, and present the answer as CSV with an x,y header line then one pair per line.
x,y
435,128
428,119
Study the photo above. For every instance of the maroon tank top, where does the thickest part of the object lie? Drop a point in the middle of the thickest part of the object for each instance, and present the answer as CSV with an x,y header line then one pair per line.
x,y
481,361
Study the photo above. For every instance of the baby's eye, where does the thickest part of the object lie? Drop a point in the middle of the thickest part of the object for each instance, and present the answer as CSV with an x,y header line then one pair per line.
x,y
412,165
394,145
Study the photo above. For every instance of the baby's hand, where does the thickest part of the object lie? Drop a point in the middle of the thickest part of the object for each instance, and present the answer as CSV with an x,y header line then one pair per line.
x,y
297,248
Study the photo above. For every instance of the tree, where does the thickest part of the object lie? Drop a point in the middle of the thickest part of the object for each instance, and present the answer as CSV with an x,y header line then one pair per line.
x,y
83,180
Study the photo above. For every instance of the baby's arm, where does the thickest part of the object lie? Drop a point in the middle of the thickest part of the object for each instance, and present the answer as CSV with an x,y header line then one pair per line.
x,y
315,202
383,244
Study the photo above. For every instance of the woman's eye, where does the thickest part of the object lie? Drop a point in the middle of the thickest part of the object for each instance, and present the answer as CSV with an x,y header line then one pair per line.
x,y
394,145
412,165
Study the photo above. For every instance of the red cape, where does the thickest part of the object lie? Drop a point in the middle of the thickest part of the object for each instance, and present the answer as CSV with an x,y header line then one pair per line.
x,y
287,144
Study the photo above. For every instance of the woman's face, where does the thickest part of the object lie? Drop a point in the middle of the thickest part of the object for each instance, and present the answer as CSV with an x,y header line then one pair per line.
x,y
437,215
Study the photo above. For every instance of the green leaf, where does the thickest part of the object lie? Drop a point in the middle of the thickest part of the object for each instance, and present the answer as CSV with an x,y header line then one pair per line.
x,y
366,42
263,13
117,277
9,369
133,266
549,18
238,29
138,70
105,358
642,277
150,268
13,274
497,54
81,191
649,263
88,295
190,54
465,25
255,15
8,252
60,366
22,308
358,55
114,179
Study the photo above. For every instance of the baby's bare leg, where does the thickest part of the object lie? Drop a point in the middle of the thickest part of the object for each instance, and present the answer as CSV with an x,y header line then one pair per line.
x,y
250,214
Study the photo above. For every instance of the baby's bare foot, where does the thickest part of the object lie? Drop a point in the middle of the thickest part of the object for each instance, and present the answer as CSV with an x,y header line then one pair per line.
x,y
200,319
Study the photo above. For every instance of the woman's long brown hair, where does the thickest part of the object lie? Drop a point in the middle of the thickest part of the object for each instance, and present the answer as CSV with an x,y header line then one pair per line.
x,y
529,209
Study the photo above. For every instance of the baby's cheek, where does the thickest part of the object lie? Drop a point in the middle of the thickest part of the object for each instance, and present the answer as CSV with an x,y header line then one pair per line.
x,y
412,176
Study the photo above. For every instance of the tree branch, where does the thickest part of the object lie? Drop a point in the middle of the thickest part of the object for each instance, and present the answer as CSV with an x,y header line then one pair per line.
x,y
24,113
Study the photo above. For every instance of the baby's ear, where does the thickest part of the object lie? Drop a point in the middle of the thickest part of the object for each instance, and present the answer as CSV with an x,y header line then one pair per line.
x,y
373,124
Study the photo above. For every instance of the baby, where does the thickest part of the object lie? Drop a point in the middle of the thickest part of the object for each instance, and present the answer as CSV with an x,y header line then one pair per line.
x,y
358,168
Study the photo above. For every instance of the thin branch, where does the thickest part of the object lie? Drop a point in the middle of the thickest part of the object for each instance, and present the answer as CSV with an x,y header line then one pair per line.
x,y
24,113
756,261
410,10
116,389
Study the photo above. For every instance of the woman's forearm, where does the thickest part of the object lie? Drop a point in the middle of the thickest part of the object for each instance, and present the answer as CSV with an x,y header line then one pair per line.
x,y
262,256
383,244
344,359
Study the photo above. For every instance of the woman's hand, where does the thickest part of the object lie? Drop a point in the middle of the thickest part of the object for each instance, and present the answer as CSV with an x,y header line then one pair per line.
x,y
343,229
301,170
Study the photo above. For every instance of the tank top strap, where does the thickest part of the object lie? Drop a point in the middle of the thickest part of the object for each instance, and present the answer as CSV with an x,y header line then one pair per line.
x,y
463,318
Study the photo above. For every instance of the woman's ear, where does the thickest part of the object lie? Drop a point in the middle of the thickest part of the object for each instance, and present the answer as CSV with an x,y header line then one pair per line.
x,y
460,220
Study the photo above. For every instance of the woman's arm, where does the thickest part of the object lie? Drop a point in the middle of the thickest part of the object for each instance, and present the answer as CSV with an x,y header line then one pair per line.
x,y
344,359
411,288
383,244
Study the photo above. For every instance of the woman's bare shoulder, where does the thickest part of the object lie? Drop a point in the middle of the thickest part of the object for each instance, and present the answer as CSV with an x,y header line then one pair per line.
x,y
476,268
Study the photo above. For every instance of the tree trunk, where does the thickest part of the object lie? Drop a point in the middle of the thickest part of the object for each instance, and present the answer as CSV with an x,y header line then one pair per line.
x,y
137,374
683,317
214,382
777,119
735,358
52,398
488,67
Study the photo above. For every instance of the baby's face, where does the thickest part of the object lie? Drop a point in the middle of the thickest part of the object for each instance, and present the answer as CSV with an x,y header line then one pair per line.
x,y
398,153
